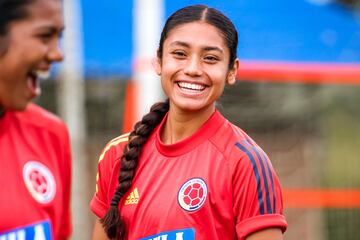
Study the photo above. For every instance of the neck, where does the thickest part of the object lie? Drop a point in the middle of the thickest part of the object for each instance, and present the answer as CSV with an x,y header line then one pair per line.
x,y
2,111
182,125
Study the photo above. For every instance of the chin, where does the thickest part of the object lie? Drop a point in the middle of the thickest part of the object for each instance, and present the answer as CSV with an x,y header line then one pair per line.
x,y
192,107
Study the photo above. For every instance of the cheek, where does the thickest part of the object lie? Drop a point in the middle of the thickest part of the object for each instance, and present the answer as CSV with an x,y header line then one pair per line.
x,y
8,87
4,45
218,75
31,49
166,86
167,66
168,69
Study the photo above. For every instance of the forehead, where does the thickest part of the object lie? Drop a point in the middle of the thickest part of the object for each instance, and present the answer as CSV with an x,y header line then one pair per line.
x,y
197,34
49,11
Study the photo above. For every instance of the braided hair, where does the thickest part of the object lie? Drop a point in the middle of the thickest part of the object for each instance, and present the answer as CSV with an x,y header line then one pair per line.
x,y
114,227
111,222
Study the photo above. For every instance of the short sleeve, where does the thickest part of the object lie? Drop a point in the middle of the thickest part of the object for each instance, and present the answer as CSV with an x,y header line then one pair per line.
x,y
257,194
66,224
106,177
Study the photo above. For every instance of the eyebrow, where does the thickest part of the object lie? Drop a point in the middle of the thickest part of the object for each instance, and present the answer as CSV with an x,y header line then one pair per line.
x,y
213,49
179,43
184,44
51,29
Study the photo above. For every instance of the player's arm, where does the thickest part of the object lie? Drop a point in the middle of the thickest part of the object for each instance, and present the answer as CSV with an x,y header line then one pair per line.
x,y
257,194
266,234
98,231
65,164
108,166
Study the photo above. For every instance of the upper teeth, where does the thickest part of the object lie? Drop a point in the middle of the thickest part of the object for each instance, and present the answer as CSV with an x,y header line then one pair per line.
x,y
191,86
42,74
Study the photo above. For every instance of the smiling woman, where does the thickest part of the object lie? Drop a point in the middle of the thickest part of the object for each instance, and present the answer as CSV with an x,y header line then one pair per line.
x,y
34,144
185,172
28,47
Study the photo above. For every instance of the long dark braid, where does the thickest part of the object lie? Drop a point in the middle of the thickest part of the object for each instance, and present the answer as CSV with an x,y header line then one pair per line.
x,y
112,223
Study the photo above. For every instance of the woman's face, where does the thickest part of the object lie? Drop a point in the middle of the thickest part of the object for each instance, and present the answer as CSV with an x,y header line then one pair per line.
x,y
31,45
195,66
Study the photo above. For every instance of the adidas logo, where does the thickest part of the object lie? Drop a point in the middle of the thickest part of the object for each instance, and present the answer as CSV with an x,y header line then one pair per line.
x,y
133,197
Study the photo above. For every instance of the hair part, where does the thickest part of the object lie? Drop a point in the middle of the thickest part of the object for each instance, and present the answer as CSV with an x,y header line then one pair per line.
x,y
206,14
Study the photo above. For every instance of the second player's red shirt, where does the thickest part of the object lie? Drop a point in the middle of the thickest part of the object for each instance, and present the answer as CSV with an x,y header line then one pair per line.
x,y
35,173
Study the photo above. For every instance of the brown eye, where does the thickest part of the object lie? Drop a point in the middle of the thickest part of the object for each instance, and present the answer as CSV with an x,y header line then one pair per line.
x,y
45,37
211,59
179,54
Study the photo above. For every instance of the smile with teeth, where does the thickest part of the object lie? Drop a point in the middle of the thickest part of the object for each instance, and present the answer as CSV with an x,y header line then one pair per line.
x,y
42,74
191,86
33,81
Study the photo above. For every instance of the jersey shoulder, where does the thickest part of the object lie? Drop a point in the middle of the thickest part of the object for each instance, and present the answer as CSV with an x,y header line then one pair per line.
x,y
235,145
113,150
227,136
37,117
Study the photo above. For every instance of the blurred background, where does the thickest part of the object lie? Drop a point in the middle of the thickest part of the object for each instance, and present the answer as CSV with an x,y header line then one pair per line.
x,y
298,96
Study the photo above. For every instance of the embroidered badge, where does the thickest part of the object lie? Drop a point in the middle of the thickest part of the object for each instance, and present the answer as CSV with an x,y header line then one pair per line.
x,y
39,181
192,194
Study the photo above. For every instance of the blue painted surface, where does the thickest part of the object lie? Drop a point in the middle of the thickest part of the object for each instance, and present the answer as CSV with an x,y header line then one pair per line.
x,y
277,30
107,31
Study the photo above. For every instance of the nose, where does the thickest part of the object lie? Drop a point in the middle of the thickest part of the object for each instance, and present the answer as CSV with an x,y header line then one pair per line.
x,y
55,53
193,66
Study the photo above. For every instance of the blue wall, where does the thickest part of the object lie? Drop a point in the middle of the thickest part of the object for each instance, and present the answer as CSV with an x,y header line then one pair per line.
x,y
277,30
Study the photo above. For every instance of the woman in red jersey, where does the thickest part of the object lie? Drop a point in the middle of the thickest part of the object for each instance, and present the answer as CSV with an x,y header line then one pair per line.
x,y
34,145
185,172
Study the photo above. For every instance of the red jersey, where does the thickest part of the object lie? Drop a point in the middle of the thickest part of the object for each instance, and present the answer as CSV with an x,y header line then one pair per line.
x,y
216,184
35,176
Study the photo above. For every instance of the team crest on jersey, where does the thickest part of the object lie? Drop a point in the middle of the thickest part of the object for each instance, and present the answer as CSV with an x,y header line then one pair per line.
x,y
39,181
192,194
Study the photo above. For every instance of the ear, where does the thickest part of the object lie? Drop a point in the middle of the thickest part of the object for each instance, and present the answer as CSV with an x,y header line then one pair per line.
x,y
231,78
156,63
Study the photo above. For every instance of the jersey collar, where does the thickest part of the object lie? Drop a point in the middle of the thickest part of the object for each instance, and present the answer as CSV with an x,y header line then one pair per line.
x,y
208,129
